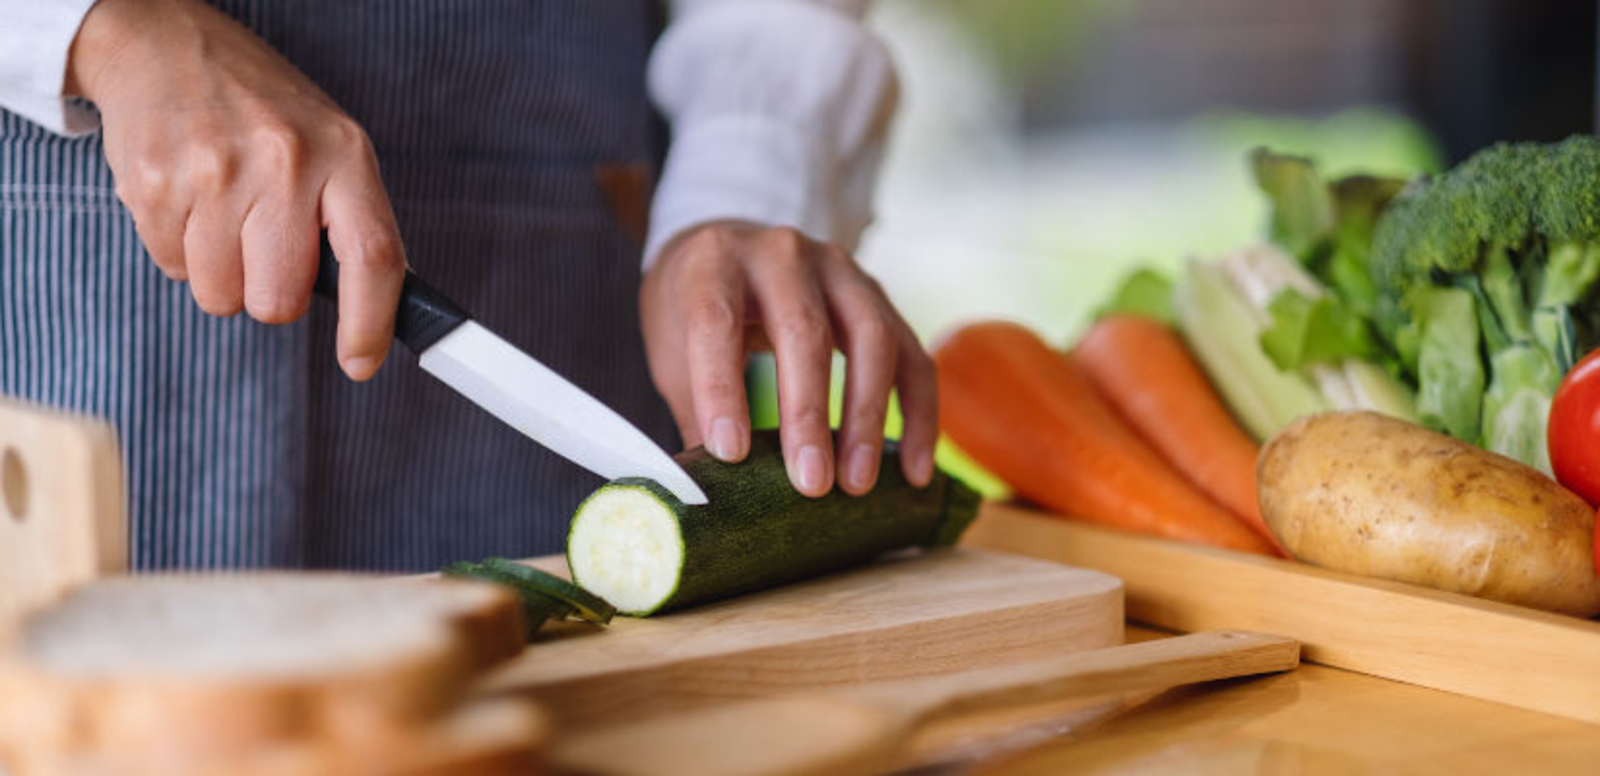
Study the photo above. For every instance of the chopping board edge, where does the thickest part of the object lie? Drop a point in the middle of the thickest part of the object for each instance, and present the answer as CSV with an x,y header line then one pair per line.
x,y
1043,609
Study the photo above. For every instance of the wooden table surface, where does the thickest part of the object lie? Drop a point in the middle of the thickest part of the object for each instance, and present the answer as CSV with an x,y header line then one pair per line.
x,y
1310,721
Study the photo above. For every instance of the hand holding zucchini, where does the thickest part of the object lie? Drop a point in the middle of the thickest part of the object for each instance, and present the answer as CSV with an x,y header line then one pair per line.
x,y
1369,494
635,545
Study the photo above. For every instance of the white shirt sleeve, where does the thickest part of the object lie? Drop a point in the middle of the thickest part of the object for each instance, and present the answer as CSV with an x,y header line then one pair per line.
x,y
35,39
779,109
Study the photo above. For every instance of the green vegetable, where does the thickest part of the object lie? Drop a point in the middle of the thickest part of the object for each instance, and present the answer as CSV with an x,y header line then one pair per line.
x,y
1518,403
544,596
1514,231
1447,359
638,547
1144,292
1305,339
1307,330
1304,212
1277,345
1222,329
1326,226
587,605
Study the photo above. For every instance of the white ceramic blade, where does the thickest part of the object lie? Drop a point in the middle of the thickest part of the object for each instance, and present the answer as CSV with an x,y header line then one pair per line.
x,y
533,399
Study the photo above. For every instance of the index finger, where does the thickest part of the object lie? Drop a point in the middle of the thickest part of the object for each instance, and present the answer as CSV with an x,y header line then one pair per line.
x,y
372,266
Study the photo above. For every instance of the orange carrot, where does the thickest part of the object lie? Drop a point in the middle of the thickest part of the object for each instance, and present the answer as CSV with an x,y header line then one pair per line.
x,y
1145,372
1028,414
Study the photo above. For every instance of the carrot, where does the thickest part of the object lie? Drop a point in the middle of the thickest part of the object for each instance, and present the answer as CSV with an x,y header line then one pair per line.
x,y
1145,372
1028,414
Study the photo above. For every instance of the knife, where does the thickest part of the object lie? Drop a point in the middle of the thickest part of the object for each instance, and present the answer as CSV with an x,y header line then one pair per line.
x,y
523,393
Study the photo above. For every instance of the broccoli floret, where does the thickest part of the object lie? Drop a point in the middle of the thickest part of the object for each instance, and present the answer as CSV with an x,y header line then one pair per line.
x,y
1566,185
1568,217
1516,227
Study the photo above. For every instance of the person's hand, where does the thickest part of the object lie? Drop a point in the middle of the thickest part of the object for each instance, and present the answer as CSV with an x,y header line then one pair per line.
x,y
722,288
231,161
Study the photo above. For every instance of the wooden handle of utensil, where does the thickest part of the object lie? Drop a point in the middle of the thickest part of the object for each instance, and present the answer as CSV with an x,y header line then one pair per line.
x,y
1198,657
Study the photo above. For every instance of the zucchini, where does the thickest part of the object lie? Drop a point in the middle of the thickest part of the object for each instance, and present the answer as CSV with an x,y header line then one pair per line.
x,y
585,604
543,596
638,547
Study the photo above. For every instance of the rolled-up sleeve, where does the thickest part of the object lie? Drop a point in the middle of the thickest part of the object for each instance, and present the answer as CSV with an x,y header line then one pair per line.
x,y
35,39
779,109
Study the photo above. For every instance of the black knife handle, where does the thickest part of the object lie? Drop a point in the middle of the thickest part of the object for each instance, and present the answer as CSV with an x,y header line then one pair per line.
x,y
425,314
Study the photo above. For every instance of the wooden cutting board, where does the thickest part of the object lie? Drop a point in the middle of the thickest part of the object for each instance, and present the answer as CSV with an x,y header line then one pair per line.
x,y
62,520
906,616
1484,649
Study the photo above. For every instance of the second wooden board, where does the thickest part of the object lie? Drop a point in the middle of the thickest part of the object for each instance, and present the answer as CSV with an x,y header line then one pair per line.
x,y
1536,660
905,616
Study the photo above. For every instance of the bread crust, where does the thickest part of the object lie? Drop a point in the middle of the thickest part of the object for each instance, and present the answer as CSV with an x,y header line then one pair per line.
x,y
461,629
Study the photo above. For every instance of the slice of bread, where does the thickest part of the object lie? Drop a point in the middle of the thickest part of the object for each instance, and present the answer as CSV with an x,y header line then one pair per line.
x,y
492,737
194,665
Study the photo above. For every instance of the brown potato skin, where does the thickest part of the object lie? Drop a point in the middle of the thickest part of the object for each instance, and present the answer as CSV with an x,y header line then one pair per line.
x,y
1369,494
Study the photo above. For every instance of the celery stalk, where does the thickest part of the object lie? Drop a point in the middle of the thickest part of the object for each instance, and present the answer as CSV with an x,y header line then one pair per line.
x,y
1377,390
1263,273
1222,329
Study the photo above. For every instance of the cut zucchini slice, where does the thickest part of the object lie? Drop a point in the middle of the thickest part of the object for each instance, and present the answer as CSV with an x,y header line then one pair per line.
x,y
585,604
537,607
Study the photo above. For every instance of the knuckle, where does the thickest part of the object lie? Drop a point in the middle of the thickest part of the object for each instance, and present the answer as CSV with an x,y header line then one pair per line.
x,y
786,240
919,365
272,306
833,254
162,253
210,167
867,423
150,182
220,304
872,331
809,415
869,414
377,250
718,389
170,267
713,316
281,146
707,246
346,133
805,324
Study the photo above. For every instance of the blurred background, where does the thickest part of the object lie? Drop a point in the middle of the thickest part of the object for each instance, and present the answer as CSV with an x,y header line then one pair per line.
x,y
1046,148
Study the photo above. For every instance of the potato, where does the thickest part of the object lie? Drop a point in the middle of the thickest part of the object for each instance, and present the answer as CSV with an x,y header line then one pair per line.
x,y
1368,494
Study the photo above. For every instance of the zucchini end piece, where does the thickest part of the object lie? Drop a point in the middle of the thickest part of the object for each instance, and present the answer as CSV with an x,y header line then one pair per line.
x,y
626,547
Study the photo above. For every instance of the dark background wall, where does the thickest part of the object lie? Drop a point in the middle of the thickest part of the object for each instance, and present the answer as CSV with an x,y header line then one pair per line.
x,y
1473,71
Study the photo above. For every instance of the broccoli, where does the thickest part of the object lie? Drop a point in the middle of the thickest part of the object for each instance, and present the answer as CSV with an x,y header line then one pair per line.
x,y
1513,234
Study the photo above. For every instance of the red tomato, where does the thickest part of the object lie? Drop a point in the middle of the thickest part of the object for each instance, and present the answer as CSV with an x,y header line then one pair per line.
x,y
1574,429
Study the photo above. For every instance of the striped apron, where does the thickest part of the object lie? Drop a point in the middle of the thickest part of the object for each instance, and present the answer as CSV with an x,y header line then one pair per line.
x,y
516,141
